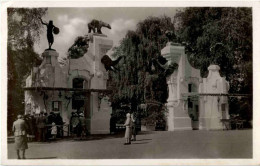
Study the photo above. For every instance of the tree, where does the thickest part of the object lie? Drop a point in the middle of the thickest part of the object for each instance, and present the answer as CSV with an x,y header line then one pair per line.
x,y
139,78
24,30
221,36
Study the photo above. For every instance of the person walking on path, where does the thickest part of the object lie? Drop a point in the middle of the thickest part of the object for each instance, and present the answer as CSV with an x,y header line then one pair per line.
x,y
128,128
20,129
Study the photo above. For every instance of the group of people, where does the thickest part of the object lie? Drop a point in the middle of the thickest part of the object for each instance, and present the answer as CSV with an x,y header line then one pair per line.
x,y
130,132
78,125
49,126
41,126
44,126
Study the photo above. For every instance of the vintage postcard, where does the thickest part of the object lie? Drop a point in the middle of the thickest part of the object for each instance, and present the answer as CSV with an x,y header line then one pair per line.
x,y
130,83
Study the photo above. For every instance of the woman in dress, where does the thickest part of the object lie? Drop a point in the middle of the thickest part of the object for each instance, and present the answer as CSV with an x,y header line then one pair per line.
x,y
20,129
128,129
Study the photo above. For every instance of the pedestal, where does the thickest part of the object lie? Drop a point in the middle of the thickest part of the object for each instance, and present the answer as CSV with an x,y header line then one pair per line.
x,y
178,119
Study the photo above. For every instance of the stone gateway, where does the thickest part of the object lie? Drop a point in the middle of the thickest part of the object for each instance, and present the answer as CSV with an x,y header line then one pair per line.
x,y
194,102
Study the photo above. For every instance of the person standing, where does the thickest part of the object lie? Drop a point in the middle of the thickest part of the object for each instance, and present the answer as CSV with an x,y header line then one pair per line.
x,y
74,124
59,122
50,120
53,131
33,126
112,124
41,121
82,128
28,121
20,129
134,132
128,128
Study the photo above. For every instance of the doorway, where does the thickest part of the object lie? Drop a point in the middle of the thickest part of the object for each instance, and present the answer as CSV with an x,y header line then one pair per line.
x,y
81,100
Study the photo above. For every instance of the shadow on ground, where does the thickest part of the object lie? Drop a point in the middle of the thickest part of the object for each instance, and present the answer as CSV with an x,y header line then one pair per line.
x,y
41,158
109,136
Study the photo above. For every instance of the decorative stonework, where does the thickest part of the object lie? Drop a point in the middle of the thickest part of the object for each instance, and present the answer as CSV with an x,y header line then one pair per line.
x,y
88,69
186,108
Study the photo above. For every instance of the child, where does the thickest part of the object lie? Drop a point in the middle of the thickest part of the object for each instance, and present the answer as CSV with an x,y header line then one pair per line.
x,y
53,130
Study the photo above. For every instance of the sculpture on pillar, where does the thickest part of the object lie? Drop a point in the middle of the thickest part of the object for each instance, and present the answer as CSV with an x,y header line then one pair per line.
x,y
50,29
109,64
79,48
96,24
170,35
158,70
165,69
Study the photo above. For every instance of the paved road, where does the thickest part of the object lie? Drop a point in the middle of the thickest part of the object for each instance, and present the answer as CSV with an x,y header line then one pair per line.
x,y
149,145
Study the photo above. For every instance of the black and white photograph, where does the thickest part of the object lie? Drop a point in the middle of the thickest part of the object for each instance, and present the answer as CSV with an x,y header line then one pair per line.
x,y
150,83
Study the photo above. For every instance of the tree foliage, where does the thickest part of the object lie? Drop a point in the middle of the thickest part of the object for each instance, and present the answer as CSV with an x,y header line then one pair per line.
x,y
24,30
139,79
221,36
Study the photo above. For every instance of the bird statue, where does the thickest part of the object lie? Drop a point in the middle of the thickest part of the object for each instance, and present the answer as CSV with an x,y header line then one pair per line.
x,y
109,64
162,64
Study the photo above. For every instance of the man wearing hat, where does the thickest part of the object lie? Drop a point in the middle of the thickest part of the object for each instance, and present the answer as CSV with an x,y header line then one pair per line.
x,y
20,136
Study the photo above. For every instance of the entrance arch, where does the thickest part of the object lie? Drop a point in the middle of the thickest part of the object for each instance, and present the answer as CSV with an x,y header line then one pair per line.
x,y
81,100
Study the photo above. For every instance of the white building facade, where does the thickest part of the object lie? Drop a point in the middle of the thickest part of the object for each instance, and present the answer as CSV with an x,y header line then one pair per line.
x,y
79,85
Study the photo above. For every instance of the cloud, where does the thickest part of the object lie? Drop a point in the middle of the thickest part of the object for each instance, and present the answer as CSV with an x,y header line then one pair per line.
x,y
71,29
120,25
120,28
63,18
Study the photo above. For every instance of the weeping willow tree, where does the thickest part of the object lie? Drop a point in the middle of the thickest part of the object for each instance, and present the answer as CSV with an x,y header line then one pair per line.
x,y
139,79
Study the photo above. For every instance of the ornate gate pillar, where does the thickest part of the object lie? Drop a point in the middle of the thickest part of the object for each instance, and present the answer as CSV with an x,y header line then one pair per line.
x,y
178,118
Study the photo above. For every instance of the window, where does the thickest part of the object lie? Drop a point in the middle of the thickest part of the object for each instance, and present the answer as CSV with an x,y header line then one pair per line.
x,y
77,104
78,83
56,106
190,88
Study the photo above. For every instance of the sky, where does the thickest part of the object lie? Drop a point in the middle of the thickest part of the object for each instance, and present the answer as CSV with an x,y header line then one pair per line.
x,y
72,23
